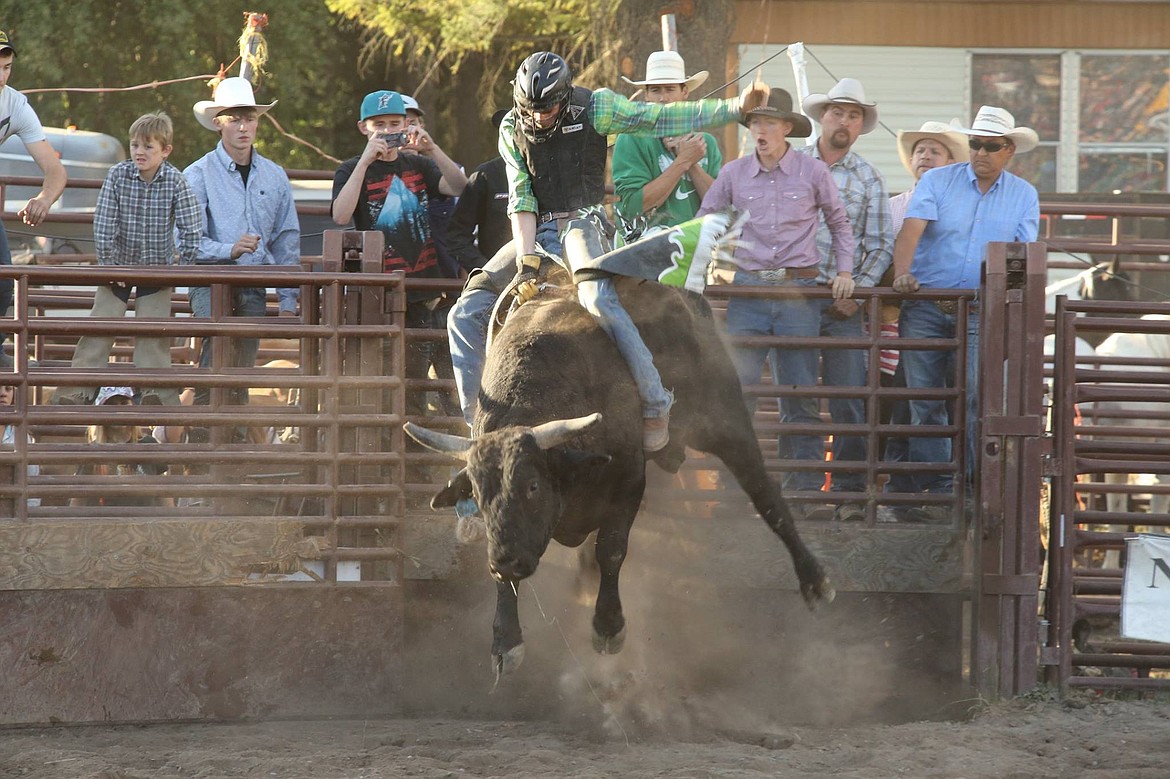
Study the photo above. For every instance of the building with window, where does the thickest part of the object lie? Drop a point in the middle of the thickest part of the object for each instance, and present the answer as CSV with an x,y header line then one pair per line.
x,y
1092,77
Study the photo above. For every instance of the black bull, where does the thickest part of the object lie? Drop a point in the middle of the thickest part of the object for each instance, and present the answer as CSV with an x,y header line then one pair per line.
x,y
544,464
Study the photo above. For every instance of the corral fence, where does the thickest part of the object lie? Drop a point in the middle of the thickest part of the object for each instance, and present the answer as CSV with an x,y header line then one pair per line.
x,y
320,490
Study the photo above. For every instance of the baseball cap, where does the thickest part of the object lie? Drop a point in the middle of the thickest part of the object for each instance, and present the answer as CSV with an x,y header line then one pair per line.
x,y
381,103
5,43
105,393
412,105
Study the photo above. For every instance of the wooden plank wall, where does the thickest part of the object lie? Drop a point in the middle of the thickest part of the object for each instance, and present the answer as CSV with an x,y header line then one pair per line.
x,y
998,24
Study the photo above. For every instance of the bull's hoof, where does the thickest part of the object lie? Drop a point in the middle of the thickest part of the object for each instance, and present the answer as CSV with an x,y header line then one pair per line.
x,y
821,592
508,662
611,645
470,530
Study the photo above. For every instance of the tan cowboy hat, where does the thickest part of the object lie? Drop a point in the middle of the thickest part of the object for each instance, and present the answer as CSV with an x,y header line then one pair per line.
x,y
779,106
954,142
845,91
667,67
997,122
234,92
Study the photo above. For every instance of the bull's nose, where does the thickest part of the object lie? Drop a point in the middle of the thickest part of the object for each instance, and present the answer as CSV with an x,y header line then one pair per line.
x,y
510,569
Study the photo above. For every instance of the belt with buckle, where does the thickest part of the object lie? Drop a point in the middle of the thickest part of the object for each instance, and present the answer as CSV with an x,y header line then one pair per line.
x,y
549,216
951,307
780,275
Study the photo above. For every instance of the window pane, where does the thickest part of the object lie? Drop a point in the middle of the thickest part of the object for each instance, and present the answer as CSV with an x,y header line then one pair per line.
x,y
1131,171
1123,98
1027,85
1037,166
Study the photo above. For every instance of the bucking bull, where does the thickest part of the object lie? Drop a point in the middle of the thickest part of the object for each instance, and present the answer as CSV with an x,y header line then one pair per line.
x,y
556,451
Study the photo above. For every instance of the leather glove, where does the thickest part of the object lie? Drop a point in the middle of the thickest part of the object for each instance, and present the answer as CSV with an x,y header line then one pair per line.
x,y
905,283
843,309
843,286
528,263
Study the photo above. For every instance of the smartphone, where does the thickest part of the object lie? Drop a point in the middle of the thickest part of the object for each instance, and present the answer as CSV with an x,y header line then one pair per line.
x,y
393,140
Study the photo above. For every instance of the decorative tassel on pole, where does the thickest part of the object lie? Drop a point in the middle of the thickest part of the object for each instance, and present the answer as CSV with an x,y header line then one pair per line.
x,y
253,47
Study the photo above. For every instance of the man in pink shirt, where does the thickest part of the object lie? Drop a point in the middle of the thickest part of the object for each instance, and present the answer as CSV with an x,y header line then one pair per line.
x,y
785,193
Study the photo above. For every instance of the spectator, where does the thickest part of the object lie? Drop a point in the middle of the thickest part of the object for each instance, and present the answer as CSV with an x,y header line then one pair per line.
x,y
553,142
387,187
661,182
249,216
119,434
784,193
18,118
8,438
954,212
480,226
934,144
844,115
441,207
143,204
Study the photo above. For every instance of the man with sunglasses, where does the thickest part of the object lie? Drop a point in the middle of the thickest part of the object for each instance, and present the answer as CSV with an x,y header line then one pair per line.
x,y
955,211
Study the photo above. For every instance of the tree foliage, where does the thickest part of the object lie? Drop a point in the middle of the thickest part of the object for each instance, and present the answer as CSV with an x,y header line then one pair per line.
x,y
312,70
456,57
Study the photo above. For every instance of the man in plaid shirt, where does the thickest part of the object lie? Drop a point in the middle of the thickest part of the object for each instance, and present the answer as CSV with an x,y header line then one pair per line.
x,y
143,202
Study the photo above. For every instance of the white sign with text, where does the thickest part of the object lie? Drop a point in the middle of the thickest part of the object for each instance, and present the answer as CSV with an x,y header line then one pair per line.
x,y
1145,595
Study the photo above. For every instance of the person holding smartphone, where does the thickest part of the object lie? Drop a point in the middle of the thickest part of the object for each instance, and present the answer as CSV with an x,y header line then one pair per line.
x,y
387,188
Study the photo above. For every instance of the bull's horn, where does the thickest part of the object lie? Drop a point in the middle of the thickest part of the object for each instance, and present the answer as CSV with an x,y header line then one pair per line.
x,y
443,443
558,431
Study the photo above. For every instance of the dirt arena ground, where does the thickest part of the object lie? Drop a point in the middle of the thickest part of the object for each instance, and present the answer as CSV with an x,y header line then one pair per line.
x,y
1022,739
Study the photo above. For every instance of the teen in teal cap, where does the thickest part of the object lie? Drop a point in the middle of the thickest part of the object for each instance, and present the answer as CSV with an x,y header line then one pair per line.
x,y
382,103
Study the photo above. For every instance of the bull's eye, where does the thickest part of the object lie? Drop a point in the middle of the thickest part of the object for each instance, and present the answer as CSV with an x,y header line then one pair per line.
x,y
533,488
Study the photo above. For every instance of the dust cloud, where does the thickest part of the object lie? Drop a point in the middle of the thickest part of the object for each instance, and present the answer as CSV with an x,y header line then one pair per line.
x,y
705,657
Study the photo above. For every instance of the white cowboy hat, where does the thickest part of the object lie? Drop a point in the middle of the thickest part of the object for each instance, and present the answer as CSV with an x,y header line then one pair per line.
x,y
234,92
997,122
954,142
667,67
847,90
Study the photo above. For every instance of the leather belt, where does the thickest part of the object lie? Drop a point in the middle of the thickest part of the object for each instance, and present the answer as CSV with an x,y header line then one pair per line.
x,y
781,275
951,307
549,216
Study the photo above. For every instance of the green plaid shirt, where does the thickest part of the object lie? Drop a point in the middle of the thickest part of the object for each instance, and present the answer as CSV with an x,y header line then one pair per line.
x,y
613,114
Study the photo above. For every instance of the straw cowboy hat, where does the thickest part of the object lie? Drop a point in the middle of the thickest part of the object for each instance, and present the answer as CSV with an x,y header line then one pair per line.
x,y
954,142
667,67
996,122
846,91
234,92
779,106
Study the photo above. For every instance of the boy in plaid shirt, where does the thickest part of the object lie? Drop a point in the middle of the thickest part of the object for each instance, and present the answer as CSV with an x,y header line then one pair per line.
x,y
143,205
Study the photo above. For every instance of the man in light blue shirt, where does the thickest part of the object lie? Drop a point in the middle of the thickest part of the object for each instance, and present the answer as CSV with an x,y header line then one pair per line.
x,y
249,215
955,211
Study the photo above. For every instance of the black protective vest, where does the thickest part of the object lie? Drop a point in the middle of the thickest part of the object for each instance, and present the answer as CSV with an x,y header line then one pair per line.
x,y
568,170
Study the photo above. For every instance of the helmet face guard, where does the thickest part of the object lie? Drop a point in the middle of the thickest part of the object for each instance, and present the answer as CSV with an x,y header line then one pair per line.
x,y
543,84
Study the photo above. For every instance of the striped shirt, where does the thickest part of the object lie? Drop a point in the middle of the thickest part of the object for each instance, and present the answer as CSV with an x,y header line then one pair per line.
x,y
136,222
866,201
613,114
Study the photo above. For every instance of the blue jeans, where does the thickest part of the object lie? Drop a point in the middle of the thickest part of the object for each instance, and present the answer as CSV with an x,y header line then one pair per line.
x,y
804,317
467,323
7,286
246,301
600,299
936,368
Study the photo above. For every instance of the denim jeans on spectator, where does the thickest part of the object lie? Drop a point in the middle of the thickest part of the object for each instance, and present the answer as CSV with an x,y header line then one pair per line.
x,y
247,302
804,317
936,368
6,285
